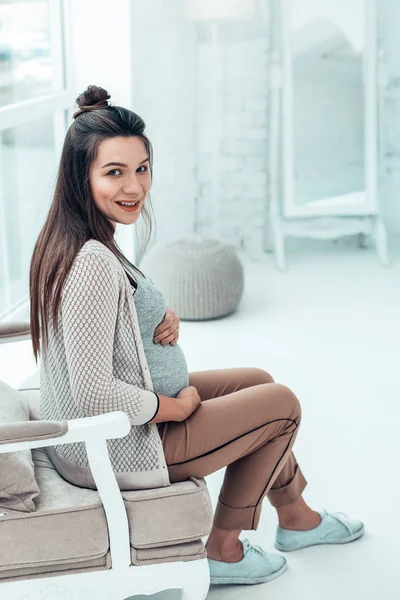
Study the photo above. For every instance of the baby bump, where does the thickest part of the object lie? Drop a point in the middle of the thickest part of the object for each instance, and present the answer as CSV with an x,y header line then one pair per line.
x,y
168,368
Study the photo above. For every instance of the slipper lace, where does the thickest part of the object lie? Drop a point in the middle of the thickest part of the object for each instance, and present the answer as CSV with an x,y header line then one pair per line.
x,y
341,517
248,547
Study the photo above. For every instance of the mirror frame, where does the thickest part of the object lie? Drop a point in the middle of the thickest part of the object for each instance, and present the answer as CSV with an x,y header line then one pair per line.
x,y
290,209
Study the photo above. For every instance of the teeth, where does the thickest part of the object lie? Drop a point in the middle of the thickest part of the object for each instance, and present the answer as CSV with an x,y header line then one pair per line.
x,y
128,203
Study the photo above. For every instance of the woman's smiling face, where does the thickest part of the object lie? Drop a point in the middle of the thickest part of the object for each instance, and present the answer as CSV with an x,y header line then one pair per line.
x,y
120,178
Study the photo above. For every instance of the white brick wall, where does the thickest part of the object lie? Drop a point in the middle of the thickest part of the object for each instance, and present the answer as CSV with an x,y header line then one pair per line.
x,y
163,95
389,23
240,128
173,91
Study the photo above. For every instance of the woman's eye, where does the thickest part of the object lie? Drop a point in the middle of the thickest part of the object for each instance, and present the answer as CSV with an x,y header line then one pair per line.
x,y
114,172
144,169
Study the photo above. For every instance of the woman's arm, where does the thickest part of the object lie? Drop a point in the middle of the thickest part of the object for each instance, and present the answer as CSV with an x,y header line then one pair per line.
x,y
89,312
179,408
169,410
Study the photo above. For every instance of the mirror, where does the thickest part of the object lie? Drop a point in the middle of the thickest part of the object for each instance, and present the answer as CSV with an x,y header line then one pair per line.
x,y
326,84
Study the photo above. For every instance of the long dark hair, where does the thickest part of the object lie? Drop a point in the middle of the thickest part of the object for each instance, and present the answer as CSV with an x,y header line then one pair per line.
x,y
73,217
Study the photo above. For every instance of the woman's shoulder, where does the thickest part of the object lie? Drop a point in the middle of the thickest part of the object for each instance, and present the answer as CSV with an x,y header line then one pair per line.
x,y
95,261
95,251
95,248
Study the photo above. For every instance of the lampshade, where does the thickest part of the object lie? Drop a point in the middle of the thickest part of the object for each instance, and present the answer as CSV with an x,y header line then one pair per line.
x,y
215,10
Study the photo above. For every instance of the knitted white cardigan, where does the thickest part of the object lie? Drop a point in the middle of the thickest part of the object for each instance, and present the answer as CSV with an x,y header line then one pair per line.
x,y
95,363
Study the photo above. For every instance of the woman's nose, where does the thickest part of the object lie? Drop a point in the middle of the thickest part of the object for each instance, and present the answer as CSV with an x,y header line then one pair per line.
x,y
132,186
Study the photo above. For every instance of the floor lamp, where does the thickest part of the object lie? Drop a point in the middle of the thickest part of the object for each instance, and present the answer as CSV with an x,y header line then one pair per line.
x,y
214,12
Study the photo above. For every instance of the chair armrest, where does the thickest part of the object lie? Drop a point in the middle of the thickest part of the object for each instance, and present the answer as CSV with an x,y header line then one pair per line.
x,y
88,429
95,431
30,431
15,331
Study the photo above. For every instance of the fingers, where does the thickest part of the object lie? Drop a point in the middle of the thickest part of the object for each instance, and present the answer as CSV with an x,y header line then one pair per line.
x,y
171,338
163,327
170,331
166,327
166,334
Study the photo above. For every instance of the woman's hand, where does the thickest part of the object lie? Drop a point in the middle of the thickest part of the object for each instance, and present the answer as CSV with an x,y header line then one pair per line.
x,y
167,332
189,401
179,408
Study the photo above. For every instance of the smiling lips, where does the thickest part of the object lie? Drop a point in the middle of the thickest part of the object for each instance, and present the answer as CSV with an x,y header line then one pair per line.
x,y
129,206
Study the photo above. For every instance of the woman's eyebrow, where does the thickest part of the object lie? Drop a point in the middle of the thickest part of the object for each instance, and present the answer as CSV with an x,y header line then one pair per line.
x,y
119,164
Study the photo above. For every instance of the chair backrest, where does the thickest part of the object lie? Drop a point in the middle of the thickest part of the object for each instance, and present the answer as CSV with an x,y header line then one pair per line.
x,y
15,332
33,397
30,389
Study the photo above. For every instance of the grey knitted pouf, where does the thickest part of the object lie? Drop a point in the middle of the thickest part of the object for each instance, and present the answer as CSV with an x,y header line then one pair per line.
x,y
201,278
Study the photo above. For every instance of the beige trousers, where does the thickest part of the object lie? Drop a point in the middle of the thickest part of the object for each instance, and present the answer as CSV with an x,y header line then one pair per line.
x,y
249,424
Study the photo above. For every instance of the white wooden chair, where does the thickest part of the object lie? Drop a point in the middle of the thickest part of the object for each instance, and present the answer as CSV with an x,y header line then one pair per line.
x,y
120,579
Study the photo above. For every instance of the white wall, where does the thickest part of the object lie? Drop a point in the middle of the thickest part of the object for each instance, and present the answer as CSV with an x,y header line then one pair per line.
x,y
144,55
101,40
153,59
242,72
240,126
164,46
101,54
158,62
389,23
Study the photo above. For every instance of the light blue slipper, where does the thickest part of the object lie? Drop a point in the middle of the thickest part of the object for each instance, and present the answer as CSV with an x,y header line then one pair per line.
x,y
335,528
256,566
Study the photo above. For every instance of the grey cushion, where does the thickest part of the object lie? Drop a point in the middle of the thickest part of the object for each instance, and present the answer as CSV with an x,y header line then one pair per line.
x,y
68,526
201,278
146,509
179,513
182,552
66,568
18,487
185,552
68,532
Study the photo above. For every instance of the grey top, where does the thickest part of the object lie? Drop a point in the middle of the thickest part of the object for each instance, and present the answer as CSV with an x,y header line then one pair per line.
x,y
167,364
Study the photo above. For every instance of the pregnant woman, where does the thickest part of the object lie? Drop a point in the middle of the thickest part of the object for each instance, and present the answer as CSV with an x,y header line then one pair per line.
x,y
108,342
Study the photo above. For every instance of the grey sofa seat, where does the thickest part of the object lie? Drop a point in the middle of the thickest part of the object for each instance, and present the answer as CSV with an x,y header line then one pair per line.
x,y
104,551
67,530
150,556
146,510
24,573
184,552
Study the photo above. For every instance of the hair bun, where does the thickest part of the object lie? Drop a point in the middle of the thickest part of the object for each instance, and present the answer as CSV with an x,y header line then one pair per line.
x,y
93,96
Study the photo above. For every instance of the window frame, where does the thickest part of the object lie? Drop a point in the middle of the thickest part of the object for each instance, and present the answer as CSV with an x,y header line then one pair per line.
x,y
58,103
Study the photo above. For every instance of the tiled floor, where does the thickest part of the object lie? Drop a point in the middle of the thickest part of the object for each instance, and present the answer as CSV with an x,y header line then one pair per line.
x,y
329,328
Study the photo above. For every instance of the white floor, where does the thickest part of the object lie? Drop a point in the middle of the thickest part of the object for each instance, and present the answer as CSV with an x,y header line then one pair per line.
x,y
329,328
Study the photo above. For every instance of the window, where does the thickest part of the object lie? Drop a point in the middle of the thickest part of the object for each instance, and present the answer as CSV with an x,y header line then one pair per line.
x,y
35,93
27,168
27,68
